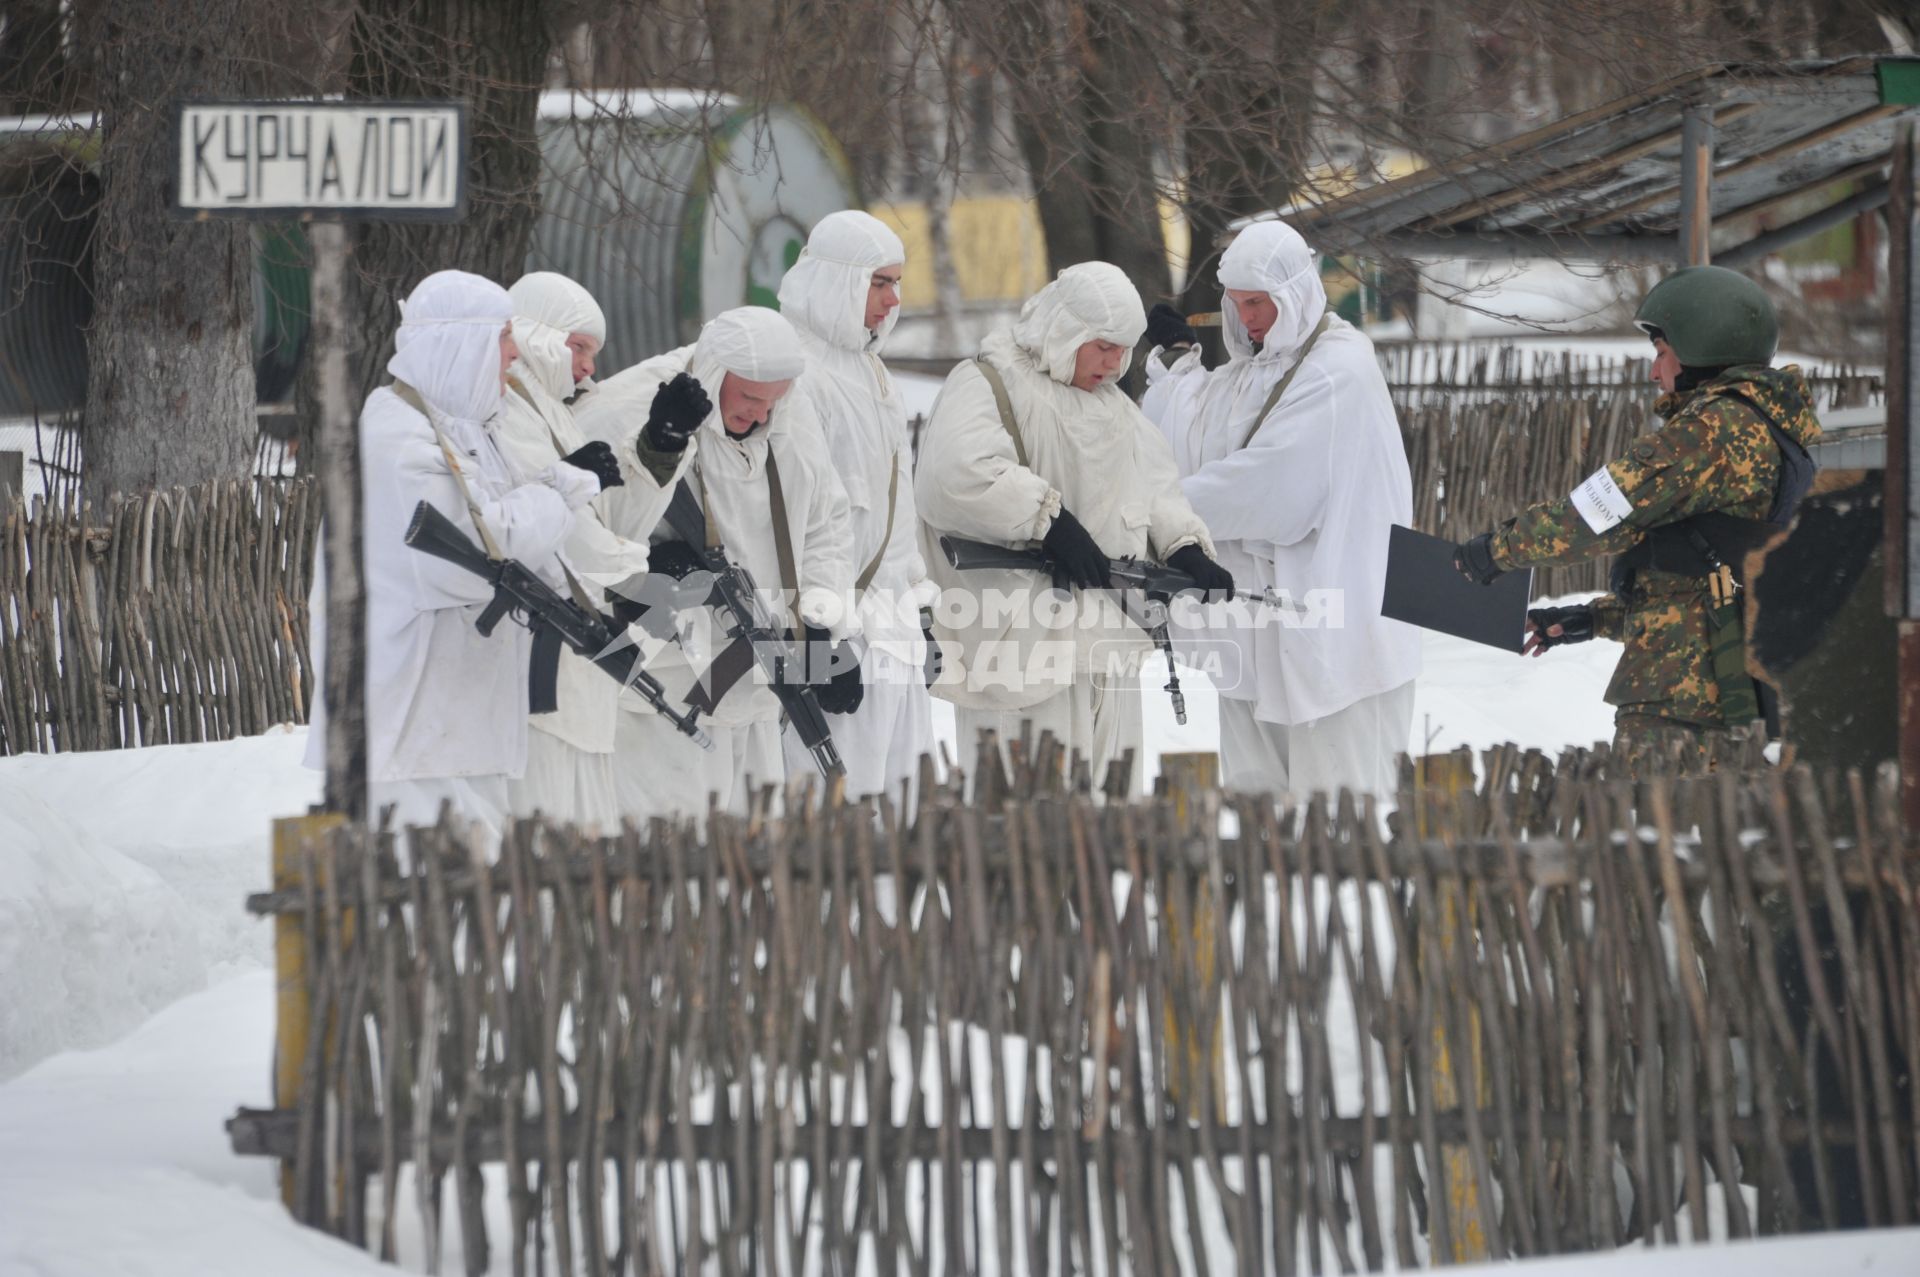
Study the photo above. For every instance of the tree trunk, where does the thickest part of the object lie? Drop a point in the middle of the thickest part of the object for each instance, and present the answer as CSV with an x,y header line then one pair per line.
x,y
493,54
1083,136
170,397
933,170
1249,112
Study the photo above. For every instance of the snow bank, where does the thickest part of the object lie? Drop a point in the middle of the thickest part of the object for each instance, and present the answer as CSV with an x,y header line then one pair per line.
x,y
122,876
117,1160
91,942
1885,1251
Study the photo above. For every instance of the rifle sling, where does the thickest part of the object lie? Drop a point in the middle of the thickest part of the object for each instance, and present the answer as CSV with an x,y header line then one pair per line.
x,y
861,582
411,397
1004,402
1273,399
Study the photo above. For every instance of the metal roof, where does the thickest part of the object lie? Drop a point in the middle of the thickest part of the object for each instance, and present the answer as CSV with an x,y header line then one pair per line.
x,y
1606,183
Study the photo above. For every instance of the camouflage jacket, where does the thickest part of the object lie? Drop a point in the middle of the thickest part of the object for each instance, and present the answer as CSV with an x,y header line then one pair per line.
x,y
1713,454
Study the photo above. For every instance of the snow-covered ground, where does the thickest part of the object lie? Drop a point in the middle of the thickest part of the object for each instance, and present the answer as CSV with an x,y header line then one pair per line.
x,y
136,997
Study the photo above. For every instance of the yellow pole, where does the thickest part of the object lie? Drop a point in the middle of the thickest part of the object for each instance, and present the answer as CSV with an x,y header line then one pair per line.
x,y
291,1009
1452,775
1188,776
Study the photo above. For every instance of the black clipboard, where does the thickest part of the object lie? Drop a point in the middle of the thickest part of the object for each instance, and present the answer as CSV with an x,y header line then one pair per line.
x,y
1425,589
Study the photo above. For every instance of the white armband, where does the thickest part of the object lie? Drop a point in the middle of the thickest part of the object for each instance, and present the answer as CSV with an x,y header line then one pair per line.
x,y
1600,501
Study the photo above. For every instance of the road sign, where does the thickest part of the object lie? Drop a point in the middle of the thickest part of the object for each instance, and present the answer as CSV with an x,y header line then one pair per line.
x,y
359,160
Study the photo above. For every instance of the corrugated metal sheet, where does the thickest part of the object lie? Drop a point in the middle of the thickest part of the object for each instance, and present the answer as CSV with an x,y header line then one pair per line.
x,y
671,210
613,202
45,272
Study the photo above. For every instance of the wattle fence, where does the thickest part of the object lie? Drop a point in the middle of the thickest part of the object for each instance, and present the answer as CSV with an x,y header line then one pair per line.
x,y
167,617
1034,1032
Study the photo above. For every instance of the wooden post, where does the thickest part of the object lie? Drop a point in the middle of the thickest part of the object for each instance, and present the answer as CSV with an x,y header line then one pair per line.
x,y
1902,540
292,1012
1696,186
1458,1189
1188,776
345,685
13,480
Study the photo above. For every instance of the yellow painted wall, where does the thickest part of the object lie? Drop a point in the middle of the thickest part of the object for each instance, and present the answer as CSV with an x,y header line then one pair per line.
x,y
999,251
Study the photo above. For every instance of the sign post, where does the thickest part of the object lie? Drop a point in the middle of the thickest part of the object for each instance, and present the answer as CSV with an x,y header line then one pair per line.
x,y
325,163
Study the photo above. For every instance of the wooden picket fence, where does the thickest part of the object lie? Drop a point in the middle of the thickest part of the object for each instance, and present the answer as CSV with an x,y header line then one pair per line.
x,y
1037,1032
169,617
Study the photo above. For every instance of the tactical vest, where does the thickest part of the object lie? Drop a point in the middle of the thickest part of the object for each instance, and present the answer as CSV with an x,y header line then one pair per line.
x,y
1714,546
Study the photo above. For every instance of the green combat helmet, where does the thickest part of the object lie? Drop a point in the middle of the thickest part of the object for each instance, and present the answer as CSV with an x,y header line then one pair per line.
x,y
1712,317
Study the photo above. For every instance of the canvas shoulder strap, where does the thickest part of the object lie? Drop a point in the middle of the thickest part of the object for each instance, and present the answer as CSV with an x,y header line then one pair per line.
x,y
1273,399
867,573
1004,403
411,397
783,538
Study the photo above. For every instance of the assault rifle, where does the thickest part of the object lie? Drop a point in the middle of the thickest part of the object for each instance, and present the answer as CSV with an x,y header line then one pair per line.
x,y
758,639
1155,580
549,616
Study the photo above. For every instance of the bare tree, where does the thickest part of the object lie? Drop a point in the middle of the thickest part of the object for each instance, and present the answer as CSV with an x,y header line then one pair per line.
x,y
493,54
170,395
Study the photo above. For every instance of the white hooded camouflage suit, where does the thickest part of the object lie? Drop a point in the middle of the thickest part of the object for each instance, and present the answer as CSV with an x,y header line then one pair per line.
x,y
1300,498
1091,452
865,424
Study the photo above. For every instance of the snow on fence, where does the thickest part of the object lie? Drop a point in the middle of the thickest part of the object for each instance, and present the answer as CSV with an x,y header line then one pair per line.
x,y
1040,1033
172,616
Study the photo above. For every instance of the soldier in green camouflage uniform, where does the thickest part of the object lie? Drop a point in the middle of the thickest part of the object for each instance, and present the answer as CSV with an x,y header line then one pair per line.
x,y
1715,455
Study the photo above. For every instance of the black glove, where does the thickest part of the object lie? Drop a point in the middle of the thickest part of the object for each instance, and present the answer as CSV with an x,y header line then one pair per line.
x,y
1215,582
1168,327
1574,623
675,558
834,670
1474,559
1078,559
598,458
679,406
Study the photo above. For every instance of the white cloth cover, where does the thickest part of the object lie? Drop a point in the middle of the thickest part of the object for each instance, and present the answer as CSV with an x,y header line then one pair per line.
x,y
1006,643
536,428
657,773
824,295
865,424
1354,748
730,477
547,309
1305,508
442,701
1097,718
566,783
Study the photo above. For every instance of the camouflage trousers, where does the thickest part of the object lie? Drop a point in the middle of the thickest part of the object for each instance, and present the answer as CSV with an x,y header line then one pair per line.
x,y
1648,745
